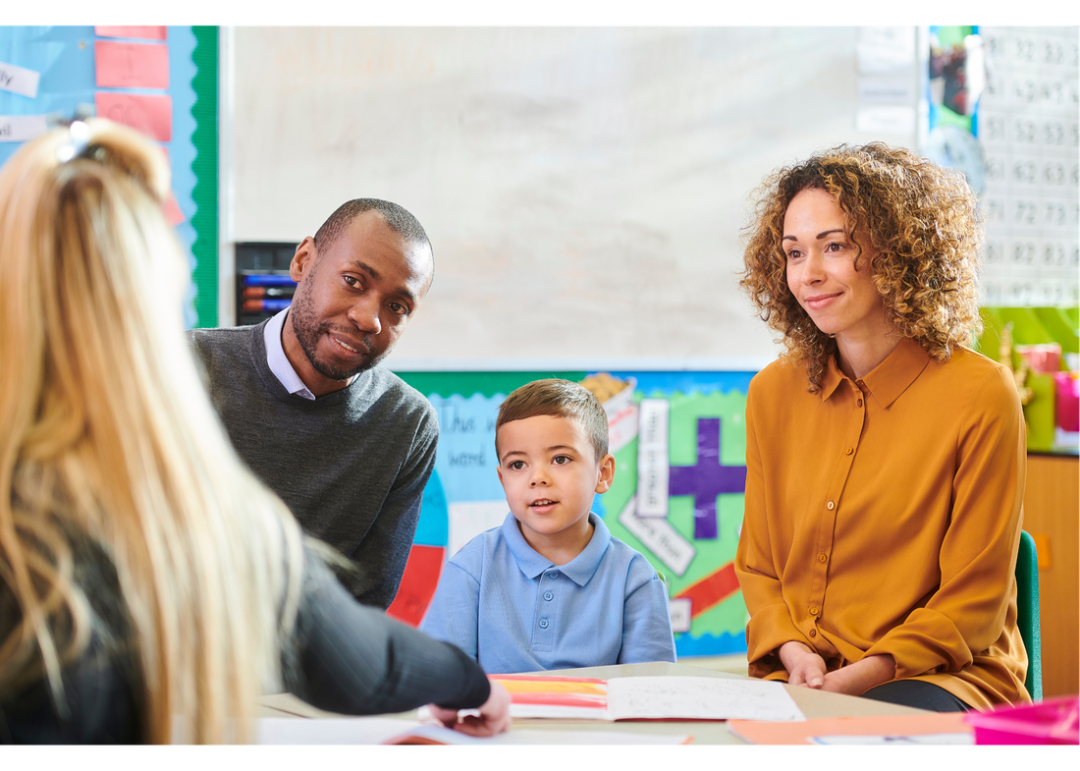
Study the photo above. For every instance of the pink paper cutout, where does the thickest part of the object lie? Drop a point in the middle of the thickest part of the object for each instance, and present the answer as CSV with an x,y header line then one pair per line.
x,y
131,65
171,210
143,33
150,114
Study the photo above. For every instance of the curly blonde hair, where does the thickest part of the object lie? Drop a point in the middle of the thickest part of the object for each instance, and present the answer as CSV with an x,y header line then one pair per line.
x,y
925,234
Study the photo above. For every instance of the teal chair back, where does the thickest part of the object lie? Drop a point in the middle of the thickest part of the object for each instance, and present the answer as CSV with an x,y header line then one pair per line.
x,y
1027,611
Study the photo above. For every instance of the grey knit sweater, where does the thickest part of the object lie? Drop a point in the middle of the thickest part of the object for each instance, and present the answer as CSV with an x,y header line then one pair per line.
x,y
351,465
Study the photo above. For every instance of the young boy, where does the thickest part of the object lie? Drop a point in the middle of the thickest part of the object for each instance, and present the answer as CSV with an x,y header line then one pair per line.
x,y
551,588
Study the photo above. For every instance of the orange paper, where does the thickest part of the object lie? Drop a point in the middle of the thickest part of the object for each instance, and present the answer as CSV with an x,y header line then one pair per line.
x,y
149,114
766,732
131,65
143,33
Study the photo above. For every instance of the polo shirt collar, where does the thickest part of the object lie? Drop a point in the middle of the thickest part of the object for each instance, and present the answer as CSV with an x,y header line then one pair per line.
x,y
278,361
579,570
887,380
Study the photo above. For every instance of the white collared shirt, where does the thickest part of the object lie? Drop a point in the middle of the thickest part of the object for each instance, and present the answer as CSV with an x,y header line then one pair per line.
x,y
278,362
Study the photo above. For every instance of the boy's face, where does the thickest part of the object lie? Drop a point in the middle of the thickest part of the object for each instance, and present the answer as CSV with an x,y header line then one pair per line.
x,y
549,471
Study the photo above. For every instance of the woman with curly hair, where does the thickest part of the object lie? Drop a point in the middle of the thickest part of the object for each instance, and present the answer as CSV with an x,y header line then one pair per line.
x,y
150,586
885,458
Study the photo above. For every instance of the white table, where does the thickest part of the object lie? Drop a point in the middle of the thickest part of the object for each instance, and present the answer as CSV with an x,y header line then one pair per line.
x,y
814,704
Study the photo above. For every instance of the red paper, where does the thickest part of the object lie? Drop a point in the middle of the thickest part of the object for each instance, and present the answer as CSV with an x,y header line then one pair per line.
x,y
171,210
151,115
417,584
711,590
131,65
144,33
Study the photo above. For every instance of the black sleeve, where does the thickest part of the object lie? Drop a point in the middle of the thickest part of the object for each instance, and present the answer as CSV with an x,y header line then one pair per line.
x,y
351,658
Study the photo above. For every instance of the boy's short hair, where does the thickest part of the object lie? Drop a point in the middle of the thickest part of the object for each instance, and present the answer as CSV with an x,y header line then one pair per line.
x,y
559,398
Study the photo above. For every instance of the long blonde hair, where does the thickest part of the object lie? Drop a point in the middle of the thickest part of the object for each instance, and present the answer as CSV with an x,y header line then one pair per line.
x,y
106,432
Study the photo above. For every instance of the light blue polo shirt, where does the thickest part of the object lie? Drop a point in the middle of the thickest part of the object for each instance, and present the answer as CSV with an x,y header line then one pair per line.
x,y
513,610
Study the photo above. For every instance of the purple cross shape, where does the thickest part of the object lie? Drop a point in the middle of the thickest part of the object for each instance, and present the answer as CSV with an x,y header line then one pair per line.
x,y
706,479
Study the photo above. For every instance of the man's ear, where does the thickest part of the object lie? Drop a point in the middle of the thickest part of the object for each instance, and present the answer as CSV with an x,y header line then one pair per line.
x,y
303,259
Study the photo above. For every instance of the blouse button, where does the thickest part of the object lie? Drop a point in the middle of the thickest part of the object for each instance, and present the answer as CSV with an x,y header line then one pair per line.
x,y
813,633
813,611
859,403
822,558
847,451
830,505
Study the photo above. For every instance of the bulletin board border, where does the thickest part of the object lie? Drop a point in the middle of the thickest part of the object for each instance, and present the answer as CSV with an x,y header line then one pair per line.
x,y
205,167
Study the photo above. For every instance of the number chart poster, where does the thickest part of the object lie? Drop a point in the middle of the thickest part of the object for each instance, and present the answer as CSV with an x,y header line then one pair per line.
x,y
679,443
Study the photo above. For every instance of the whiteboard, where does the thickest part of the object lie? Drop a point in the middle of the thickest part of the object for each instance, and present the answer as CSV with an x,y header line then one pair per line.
x,y
583,188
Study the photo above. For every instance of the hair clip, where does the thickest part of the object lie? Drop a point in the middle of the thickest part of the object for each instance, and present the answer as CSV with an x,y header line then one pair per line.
x,y
78,130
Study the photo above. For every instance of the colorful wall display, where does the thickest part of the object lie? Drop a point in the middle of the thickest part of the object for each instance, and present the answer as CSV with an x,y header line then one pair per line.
x,y
679,443
161,81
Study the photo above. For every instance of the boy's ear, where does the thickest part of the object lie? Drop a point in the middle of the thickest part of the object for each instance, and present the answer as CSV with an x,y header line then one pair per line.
x,y
607,473
498,470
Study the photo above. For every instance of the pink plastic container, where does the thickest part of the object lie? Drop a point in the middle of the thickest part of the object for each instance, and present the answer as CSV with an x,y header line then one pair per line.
x,y
1067,389
1049,722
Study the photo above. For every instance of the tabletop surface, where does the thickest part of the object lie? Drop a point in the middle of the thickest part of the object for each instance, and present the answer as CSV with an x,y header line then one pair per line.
x,y
814,704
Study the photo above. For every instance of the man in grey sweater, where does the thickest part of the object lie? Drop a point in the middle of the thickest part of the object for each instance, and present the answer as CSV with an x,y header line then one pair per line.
x,y
346,444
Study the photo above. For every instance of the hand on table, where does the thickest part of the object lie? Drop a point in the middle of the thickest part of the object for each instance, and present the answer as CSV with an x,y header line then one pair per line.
x,y
803,665
494,715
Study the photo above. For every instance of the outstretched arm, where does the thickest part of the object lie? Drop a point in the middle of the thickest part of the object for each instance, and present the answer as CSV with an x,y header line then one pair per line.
x,y
349,658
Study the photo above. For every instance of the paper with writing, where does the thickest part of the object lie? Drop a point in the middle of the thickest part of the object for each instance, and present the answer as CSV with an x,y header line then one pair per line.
x,y
19,80
142,33
148,113
131,65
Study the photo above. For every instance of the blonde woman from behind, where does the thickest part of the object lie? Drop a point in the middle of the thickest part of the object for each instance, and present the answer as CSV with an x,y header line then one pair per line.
x,y
150,587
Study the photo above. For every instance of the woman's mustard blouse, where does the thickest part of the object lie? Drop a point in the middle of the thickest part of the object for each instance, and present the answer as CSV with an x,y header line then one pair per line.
x,y
883,516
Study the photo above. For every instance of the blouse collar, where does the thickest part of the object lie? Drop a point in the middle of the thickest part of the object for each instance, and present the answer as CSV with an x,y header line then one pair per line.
x,y
887,380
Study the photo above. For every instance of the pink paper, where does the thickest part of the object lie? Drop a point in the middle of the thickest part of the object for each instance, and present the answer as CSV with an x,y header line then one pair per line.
x,y
151,115
143,33
171,210
131,65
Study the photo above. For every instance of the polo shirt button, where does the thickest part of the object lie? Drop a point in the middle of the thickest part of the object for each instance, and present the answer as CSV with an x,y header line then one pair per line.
x,y
859,402
553,575
543,623
830,505
848,451
813,612
813,633
821,558
548,595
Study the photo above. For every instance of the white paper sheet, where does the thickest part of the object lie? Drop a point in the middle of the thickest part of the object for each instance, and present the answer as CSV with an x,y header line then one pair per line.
x,y
469,519
699,698
375,730
653,466
19,80
660,537
19,128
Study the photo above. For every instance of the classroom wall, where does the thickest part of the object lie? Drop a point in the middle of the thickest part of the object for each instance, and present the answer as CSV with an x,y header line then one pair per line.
x,y
583,188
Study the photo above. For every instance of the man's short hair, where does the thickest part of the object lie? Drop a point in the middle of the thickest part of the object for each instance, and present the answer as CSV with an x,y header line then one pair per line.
x,y
397,217
558,398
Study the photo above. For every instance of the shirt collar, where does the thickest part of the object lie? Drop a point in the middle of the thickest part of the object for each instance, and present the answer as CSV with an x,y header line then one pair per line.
x,y
887,380
278,361
579,570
